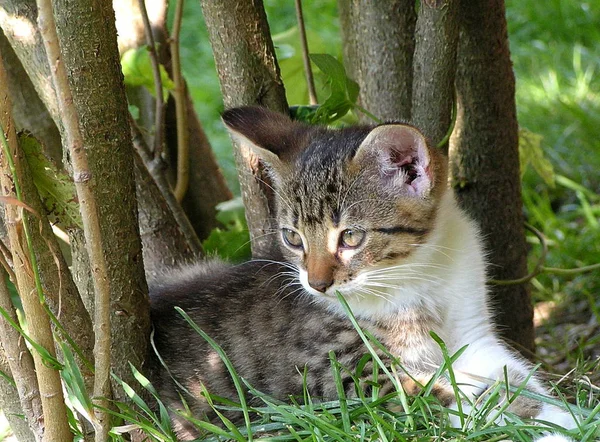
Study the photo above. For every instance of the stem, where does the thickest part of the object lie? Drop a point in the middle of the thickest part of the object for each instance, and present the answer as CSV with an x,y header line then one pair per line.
x,y
161,182
180,108
310,81
89,213
158,87
368,114
21,364
6,260
53,408
538,266
573,271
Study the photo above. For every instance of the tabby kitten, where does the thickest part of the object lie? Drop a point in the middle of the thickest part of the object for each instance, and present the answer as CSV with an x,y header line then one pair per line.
x,y
363,211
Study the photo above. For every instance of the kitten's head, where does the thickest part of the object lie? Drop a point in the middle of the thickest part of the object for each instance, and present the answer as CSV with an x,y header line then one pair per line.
x,y
348,200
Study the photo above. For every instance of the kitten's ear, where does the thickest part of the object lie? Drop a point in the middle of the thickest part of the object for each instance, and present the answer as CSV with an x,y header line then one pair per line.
x,y
270,135
402,158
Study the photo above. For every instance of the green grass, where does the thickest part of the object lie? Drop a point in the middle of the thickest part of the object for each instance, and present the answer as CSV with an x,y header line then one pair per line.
x,y
394,417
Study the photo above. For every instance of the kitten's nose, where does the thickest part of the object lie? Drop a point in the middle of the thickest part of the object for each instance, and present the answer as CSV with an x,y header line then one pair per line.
x,y
320,285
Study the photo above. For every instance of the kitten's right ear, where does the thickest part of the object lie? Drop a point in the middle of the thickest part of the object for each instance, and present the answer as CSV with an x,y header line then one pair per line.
x,y
270,135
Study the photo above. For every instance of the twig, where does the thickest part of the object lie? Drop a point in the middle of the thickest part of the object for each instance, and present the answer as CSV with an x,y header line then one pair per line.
x,y
6,261
158,87
21,364
443,144
538,266
89,213
573,271
180,108
310,81
161,182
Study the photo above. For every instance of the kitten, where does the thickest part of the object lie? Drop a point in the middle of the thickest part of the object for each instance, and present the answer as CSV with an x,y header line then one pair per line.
x,y
363,211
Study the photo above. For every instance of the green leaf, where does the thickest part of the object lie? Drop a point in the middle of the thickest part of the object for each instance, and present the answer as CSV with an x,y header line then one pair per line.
x,y
75,385
344,91
330,67
137,70
531,153
232,242
134,111
56,188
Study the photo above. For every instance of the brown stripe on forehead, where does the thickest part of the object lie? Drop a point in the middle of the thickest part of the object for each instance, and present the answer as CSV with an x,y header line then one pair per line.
x,y
395,230
397,254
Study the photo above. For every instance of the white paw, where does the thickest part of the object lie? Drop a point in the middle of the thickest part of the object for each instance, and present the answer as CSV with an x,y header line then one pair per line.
x,y
556,416
554,438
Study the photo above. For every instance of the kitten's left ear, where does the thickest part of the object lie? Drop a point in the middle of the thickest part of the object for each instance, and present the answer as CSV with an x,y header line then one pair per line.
x,y
270,135
402,158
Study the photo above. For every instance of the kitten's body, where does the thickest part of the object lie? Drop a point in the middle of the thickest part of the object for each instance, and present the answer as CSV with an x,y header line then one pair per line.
x,y
418,267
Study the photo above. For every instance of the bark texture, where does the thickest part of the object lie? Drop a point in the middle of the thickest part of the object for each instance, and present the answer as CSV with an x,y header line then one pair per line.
x,y
485,158
18,20
23,397
89,48
28,110
55,425
168,237
249,75
378,40
435,67
11,406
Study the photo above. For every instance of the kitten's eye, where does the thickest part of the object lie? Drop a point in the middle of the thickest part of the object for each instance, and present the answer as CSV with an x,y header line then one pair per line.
x,y
352,238
292,238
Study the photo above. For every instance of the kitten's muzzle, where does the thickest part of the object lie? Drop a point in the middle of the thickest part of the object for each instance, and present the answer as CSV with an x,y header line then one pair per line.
x,y
320,285
320,269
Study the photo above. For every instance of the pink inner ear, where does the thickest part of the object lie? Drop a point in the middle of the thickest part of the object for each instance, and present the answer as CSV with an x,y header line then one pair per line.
x,y
405,161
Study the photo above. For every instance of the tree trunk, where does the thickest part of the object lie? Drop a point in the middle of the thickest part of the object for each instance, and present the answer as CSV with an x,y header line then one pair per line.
x,y
485,159
11,405
89,48
168,241
249,75
28,110
60,291
435,67
378,40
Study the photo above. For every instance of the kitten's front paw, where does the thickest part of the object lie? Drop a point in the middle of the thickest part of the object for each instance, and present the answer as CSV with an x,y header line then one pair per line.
x,y
554,438
441,390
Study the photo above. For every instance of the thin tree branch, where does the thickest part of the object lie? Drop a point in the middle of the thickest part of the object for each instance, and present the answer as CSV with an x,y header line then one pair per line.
x,y
89,214
310,81
183,162
56,426
157,174
159,119
21,364
6,261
